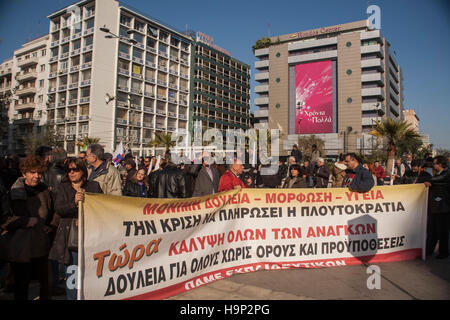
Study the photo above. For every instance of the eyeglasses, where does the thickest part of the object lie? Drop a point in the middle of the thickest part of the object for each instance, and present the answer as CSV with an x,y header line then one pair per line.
x,y
73,169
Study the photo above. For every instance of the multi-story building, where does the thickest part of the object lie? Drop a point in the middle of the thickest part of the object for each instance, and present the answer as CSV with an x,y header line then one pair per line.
x,y
334,82
221,87
411,117
5,102
117,75
29,83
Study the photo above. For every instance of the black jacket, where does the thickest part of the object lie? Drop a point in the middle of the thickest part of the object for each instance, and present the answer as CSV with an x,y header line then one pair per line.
x,y
321,176
53,176
439,197
411,177
152,178
66,208
132,189
299,183
171,183
297,154
359,180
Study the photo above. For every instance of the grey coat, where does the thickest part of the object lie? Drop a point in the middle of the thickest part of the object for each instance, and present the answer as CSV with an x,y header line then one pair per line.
x,y
204,185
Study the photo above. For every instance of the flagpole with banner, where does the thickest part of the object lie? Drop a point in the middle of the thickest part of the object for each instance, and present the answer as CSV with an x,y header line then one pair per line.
x,y
118,154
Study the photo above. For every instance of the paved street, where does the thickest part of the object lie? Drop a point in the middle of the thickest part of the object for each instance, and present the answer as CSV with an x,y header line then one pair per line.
x,y
408,280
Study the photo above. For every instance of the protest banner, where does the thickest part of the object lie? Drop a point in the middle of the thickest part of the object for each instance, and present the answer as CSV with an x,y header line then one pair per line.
x,y
134,248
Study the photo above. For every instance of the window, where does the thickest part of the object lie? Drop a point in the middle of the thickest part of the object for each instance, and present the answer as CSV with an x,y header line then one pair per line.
x,y
90,24
41,83
42,67
152,31
41,98
43,52
124,48
89,40
63,65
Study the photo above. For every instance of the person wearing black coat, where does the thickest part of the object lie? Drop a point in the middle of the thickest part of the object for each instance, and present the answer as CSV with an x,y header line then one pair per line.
x,y
68,196
29,227
295,179
439,208
137,186
416,174
357,179
321,174
171,182
296,153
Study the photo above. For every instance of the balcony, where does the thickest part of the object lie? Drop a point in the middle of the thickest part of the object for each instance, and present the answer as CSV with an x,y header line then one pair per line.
x,y
160,126
175,73
373,48
369,121
262,88
148,125
24,121
149,94
136,76
75,68
51,105
85,83
88,31
394,84
86,65
76,36
24,106
262,113
150,64
73,102
61,104
59,121
172,114
54,43
73,85
171,128
182,116
372,106
136,91
261,64
88,48
372,92
394,109
161,112
138,60
366,35
123,88
24,91
173,86
27,76
27,62
53,59
65,40
153,50
85,100
83,118
162,53
183,102
62,88
123,72
151,80
370,63
63,71
184,62
261,76
51,90
70,137
64,55
162,83
262,52
149,110
183,89
184,76
261,101
72,119
161,97
372,77
162,68
124,55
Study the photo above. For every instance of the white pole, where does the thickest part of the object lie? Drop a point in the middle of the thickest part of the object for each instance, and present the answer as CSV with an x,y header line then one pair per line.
x,y
392,171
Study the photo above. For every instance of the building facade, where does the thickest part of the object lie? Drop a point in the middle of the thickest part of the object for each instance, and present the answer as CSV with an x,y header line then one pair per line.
x,y
221,87
121,88
5,103
29,85
334,82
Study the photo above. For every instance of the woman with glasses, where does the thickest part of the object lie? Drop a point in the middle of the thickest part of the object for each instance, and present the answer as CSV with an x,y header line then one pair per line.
x,y
137,185
68,196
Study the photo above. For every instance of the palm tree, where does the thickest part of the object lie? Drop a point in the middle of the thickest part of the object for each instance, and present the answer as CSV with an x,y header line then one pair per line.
x,y
396,133
162,140
87,141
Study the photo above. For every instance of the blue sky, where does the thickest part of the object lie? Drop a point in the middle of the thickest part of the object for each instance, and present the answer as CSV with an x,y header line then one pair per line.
x,y
418,30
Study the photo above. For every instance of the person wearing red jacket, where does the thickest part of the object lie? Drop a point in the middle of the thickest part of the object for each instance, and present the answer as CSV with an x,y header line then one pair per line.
x,y
230,179
379,173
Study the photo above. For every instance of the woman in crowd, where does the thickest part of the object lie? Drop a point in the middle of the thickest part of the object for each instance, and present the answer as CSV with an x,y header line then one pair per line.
x,y
137,186
68,196
295,179
29,227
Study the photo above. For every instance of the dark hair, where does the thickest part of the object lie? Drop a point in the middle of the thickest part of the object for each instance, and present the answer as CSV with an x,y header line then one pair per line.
x,y
32,162
296,167
108,156
58,155
43,151
341,157
353,156
79,163
415,163
441,160
134,177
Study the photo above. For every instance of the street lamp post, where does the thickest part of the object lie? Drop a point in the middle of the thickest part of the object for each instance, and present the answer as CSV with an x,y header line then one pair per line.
x,y
111,35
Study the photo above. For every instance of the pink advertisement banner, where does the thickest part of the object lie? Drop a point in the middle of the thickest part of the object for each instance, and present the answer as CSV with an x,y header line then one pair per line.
x,y
314,97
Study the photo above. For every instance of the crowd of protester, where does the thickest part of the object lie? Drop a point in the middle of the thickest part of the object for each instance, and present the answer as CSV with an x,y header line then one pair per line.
x,y
40,196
